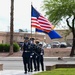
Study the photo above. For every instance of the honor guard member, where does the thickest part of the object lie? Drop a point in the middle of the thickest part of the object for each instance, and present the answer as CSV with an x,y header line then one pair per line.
x,y
26,54
41,59
38,57
33,55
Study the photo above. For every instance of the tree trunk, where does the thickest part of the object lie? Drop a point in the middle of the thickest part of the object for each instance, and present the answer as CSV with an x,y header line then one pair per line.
x,y
73,31
11,27
73,48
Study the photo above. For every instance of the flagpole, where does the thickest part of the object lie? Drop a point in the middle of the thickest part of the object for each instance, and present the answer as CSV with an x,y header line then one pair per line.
x,y
31,26
35,36
31,32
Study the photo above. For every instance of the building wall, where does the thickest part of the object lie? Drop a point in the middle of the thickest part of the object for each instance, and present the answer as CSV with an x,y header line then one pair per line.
x,y
2,37
19,37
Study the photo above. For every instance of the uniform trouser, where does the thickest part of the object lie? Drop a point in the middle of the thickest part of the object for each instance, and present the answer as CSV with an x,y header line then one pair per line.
x,y
41,62
33,62
38,63
26,62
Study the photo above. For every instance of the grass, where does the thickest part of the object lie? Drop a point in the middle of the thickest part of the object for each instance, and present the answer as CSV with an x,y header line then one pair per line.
x,y
60,71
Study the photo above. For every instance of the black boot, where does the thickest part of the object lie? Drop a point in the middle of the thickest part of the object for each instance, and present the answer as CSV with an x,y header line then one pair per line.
x,y
25,72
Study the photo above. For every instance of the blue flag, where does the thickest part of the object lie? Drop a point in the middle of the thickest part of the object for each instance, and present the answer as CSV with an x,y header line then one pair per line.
x,y
52,34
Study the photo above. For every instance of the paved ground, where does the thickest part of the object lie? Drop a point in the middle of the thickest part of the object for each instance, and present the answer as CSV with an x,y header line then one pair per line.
x,y
15,72
14,66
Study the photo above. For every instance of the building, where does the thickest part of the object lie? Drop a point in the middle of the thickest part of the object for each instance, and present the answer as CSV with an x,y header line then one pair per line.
x,y
19,37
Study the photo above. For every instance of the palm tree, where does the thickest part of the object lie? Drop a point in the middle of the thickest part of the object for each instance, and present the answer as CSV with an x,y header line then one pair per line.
x,y
11,27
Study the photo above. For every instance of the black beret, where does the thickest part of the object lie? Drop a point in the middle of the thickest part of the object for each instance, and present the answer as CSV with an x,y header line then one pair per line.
x,y
26,38
37,42
32,39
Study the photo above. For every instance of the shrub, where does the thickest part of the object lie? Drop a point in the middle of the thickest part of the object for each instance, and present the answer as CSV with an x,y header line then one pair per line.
x,y
16,47
6,47
1,47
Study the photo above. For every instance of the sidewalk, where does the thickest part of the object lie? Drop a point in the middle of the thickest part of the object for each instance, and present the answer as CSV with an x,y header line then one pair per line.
x,y
15,72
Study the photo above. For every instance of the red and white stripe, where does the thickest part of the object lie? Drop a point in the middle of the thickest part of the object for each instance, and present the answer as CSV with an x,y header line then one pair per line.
x,y
41,23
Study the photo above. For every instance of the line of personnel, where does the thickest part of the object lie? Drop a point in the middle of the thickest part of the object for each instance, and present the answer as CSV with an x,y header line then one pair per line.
x,y
32,55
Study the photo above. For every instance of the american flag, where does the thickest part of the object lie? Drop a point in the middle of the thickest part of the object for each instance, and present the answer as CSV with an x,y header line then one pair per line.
x,y
40,22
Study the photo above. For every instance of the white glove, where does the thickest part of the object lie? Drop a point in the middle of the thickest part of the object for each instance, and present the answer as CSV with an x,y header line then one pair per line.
x,y
30,56
32,53
41,53
36,56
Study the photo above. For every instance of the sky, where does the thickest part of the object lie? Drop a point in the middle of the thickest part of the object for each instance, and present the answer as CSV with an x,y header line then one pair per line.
x,y
22,13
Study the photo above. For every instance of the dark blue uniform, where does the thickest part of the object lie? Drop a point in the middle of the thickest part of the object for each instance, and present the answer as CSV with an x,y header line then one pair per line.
x,y
41,59
26,56
40,53
33,56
